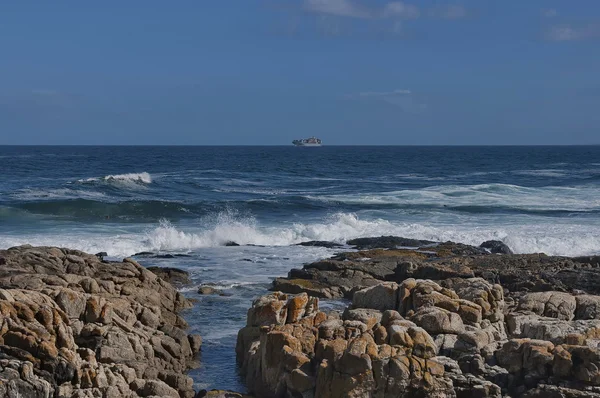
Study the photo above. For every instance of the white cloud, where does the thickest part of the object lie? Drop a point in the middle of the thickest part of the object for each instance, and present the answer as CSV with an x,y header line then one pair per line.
x,y
341,8
549,13
571,33
398,9
352,9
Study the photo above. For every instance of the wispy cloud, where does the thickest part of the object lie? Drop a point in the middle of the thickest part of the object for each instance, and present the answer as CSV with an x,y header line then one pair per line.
x,y
449,12
398,9
341,8
353,9
567,32
549,12
401,98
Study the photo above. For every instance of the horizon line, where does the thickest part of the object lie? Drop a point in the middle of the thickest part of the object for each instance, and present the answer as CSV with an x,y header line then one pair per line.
x,y
292,146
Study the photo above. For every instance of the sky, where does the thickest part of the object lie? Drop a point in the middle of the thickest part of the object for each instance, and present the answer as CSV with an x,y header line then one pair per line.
x,y
265,72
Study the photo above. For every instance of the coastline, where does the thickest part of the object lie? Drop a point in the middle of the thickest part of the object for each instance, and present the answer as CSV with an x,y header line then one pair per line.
x,y
428,319
436,319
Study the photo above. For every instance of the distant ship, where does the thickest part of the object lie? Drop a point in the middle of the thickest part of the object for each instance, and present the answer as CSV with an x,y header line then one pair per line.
x,y
312,141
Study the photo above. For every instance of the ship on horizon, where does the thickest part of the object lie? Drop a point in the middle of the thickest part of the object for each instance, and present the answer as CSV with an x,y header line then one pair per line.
x,y
312,141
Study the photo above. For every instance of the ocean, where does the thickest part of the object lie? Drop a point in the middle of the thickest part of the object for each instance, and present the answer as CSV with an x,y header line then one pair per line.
x,y
183,204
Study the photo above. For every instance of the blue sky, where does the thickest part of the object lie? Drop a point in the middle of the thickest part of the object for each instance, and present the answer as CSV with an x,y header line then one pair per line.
x,y
266,72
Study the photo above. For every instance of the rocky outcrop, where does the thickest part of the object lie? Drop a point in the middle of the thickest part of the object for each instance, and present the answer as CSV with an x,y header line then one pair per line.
x,y
73,325
429,320
389,344
396,259
418,338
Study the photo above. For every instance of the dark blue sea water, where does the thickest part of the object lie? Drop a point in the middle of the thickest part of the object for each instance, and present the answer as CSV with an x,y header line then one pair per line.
x,y
192,200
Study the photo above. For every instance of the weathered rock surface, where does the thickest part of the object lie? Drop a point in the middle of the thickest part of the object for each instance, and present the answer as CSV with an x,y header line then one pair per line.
x,y
72,325
396,259
430,320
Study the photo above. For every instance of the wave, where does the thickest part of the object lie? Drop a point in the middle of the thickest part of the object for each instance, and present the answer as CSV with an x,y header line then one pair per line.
x,y
136,178
436,200
551,173
100,210
56,194
552,239
492,196
94,206
215,230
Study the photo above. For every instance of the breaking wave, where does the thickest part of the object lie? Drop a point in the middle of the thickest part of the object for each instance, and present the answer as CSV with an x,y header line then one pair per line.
x,y
215,231
137,178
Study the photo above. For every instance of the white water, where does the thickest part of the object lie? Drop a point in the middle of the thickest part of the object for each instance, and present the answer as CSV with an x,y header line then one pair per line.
x,y
560,237
143,178
583,198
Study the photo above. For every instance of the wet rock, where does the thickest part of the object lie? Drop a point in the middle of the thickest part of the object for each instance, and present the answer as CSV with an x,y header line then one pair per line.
x,y
143,254
207,290
175,276
386,242
231,243
320,243
496,247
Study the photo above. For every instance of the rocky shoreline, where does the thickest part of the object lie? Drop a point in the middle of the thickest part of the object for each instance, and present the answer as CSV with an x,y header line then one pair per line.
x,y
74,325
428,320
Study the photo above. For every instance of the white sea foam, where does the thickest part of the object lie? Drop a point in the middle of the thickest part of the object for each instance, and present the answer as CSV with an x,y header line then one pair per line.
x,y
561,237
138,178
54,194
584,198
543,173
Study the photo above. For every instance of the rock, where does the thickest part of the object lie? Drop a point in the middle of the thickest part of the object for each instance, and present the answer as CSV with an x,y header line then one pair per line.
x,y
380,297
175,276
438,320
496,247
386,242
550,304
315,289
231,243
195,341
101,255
588,307
207,290
320,243
435,320
268,310
525,357
369,317
75,325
